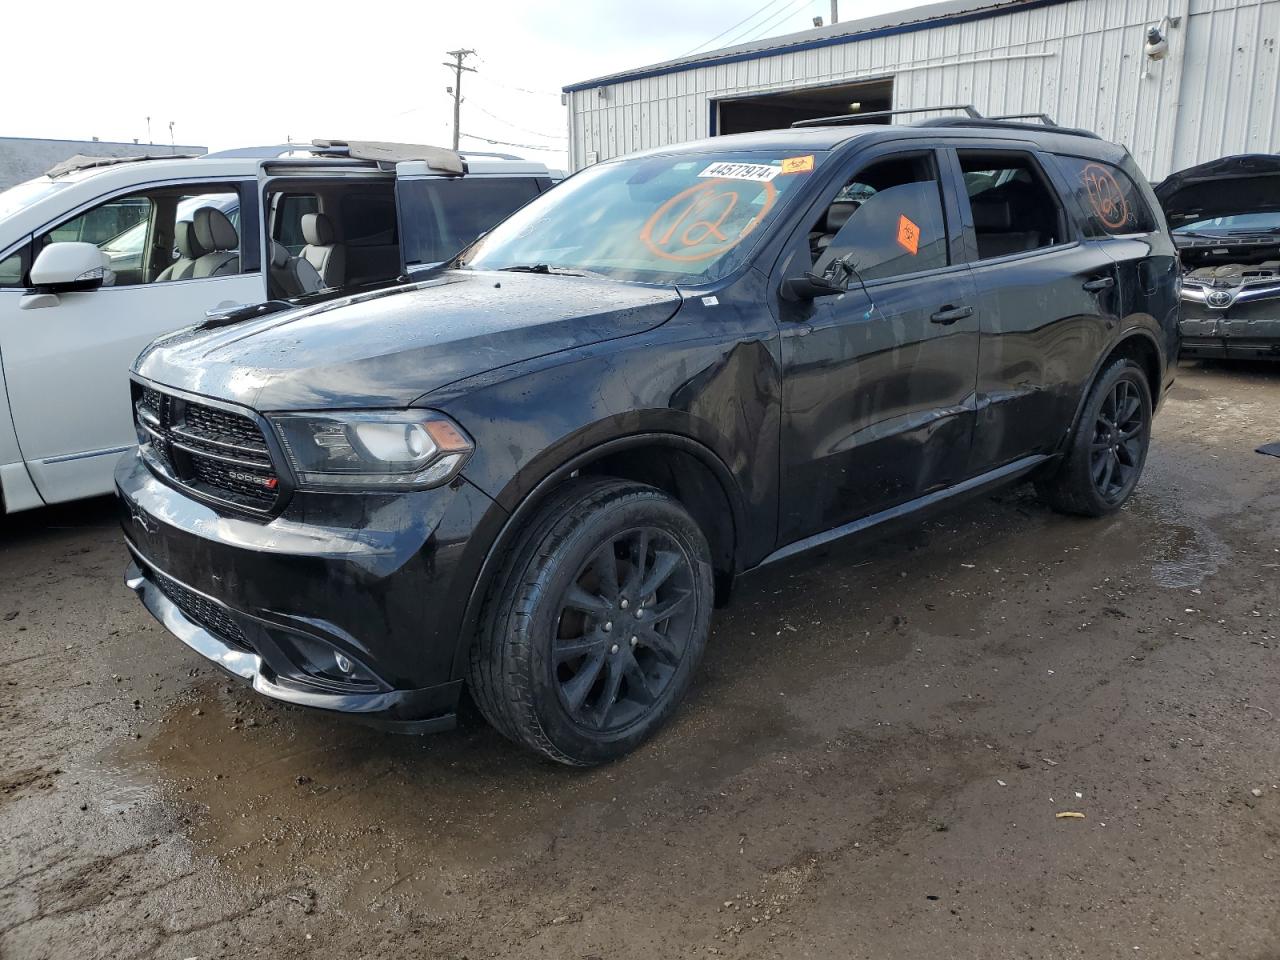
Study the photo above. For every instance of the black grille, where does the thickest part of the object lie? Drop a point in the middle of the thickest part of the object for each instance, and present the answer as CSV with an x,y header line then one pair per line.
x,y
216,452
201,610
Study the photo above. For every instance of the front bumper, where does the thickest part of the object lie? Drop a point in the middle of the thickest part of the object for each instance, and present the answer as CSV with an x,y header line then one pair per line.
x,y
346,603
1223,336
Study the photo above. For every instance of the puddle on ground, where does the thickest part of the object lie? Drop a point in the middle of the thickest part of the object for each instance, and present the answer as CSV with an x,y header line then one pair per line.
x,y
1182,551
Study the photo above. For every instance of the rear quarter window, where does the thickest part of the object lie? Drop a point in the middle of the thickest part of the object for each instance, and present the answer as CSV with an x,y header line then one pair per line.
x,y
1112,203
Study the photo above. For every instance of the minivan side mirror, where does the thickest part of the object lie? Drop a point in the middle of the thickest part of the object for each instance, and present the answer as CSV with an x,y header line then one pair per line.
x,y
68,267
811,286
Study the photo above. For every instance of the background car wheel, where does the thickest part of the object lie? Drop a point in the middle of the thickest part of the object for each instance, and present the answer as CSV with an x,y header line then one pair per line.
x,y
591,634
1108,448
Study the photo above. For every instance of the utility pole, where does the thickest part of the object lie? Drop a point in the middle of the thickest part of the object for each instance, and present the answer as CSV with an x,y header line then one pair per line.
x,y
835,13
457,66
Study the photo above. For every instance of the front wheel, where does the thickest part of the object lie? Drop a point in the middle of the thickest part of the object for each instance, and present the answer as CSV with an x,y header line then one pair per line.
x,y
593,631
1108,449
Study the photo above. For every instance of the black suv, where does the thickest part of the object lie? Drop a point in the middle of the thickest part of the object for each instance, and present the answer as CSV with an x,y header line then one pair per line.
x,y
534,473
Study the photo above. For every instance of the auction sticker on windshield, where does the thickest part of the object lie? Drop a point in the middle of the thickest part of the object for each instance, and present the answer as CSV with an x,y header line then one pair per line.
x,y
798,164
727,170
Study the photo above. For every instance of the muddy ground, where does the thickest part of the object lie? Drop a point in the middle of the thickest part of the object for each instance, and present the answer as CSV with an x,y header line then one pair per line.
x,y
870,765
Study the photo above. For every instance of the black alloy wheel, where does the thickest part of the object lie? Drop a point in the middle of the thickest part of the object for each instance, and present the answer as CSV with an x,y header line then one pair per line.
x,y
593,629
1119,441
1104,456
623,629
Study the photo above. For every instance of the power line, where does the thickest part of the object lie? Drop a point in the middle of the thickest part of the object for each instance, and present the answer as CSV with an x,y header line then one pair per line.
x,y
508,143
508,123
793,8
508,86
708,43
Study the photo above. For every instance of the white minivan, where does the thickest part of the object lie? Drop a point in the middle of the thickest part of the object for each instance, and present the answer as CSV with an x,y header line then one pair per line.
x,y
101,256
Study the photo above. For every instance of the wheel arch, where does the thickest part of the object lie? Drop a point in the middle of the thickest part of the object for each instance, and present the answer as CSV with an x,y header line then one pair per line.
x,y
679,464
1139,345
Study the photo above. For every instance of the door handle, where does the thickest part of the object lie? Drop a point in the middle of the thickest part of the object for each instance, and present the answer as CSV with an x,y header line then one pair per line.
x,y
948,315
1102,283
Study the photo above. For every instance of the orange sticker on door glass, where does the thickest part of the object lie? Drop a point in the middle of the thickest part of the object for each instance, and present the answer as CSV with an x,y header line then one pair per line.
x,y
908,236
798,164
707,219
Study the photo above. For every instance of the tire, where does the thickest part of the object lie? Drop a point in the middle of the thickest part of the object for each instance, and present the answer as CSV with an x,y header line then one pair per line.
x,y
574,668
1106,452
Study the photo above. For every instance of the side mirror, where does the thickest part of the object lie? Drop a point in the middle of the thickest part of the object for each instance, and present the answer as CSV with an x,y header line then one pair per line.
x,y
68,267
812,287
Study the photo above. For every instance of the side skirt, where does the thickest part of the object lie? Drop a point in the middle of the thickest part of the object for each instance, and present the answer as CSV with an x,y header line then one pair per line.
x,y
971,487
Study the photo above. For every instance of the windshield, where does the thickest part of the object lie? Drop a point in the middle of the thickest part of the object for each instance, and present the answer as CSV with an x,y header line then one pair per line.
x,y
678,218
1240,223
25,194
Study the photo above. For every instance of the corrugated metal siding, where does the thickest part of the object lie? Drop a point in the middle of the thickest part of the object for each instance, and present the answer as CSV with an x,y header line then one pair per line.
x,y
1081,62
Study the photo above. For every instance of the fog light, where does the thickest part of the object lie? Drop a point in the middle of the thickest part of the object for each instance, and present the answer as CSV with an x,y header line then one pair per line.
x,y
343,663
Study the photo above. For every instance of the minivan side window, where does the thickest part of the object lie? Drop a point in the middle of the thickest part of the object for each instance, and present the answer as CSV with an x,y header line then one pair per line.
x,y
887,221
440,217
1109,197
150,237
1015,210
13,268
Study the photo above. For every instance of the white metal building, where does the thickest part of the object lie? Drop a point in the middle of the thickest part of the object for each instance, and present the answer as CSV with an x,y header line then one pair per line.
x,y
1083,62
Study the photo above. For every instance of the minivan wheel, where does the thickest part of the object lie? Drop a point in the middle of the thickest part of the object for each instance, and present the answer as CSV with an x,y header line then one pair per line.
x,y
592,632
1108,448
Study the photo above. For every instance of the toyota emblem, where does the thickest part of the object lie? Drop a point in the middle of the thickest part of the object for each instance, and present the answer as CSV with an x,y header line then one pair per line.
x,y
1219,298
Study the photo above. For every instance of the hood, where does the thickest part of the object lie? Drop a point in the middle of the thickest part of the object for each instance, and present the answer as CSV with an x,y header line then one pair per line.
x,y
387,348
1228,187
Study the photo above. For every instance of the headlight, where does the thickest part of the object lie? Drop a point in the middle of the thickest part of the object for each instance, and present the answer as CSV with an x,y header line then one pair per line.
x,y
390,450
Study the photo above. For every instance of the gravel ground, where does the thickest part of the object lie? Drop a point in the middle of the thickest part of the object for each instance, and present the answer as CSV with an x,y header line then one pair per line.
x,y
871,763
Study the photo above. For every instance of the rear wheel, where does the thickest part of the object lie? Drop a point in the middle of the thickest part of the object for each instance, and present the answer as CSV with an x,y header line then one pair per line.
x,y
1108,450
592,633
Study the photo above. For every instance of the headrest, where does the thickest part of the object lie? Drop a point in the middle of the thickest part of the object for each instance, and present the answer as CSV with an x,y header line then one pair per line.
x,y
317,229
992,214
213,230
839,213
279,254
184,237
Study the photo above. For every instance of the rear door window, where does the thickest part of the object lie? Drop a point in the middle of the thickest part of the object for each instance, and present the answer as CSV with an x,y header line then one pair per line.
x,y
440,217
1108,196
1015,210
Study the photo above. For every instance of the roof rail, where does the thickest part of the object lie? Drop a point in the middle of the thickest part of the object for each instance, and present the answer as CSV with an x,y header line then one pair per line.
x,y
967,108
996,123
1042,117
488,155
265,152
81,162
385,155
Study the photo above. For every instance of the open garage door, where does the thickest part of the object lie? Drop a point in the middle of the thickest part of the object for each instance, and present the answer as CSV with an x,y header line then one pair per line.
x,y
772,111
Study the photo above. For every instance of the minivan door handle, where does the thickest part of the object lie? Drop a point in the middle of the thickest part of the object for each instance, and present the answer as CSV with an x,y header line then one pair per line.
x,y
948,315
1102,283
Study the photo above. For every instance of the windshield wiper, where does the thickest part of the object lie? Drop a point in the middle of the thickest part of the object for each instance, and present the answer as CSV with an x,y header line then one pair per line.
x,y
550,269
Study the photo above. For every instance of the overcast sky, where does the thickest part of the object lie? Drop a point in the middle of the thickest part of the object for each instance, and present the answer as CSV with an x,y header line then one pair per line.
x,y
236,73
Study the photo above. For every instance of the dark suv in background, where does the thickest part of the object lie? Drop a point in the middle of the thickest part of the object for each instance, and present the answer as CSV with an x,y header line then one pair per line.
x,y
535,473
